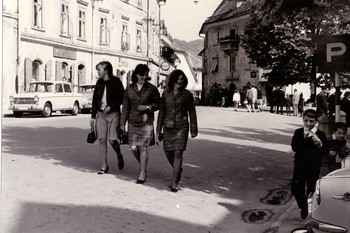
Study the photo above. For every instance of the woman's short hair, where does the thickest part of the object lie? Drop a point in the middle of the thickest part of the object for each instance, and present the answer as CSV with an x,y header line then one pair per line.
x,y
311,113
140,69
174,76
106,66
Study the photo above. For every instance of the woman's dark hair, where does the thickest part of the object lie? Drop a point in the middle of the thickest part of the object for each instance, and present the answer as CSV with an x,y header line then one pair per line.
x,y
140,69
311,113
106,66
174,76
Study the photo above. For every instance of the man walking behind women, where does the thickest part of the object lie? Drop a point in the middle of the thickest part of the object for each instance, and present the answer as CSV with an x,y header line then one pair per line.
x,y
106,101
141,99
177,105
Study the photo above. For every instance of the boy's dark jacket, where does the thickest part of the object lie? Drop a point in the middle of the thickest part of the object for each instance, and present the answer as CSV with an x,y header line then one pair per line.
x,y
306,152
338,146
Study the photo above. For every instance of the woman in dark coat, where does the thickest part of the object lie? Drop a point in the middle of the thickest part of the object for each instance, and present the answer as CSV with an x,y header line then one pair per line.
x,y
141,99
177,105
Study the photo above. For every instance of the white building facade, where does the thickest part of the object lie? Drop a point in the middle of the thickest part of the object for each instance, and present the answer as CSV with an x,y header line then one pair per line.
x,y
55,39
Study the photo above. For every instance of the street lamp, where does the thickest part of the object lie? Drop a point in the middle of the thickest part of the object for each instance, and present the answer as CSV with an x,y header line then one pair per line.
x,y
161,3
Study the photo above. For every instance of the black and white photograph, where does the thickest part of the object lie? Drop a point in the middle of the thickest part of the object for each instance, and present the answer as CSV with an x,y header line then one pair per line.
x,y
175,116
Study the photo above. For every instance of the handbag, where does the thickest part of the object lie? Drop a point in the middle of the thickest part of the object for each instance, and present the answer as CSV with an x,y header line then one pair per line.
x,y
123,138
91,138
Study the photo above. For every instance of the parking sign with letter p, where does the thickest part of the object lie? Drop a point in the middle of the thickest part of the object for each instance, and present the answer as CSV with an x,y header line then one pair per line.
x,y
333,53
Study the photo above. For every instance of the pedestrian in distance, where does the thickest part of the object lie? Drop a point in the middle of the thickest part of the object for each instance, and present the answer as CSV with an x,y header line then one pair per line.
x,y
105,114
177,117
310,146
280,100
288,103
321,102
301,104
236,99
338,148
273,100
249,98
345,106
295,100
141,100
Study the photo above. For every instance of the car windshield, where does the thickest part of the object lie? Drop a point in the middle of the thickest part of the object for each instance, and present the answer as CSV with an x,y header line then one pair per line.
x,y
86,89
40,87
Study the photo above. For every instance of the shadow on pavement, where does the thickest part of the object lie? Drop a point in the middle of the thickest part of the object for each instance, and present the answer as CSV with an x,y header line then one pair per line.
x,y
44,218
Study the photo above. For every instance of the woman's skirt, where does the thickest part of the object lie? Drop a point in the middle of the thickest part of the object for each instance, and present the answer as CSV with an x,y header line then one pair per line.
x,y
106,125
175,138
141,135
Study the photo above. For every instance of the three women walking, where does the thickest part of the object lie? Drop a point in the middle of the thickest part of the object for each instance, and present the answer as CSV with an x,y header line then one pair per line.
x,y
176,119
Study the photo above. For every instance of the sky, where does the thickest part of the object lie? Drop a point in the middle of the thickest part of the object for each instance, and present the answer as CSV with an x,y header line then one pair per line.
x,y
184,19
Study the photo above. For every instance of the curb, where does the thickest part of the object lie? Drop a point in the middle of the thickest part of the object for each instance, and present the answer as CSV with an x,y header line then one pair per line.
x,y
281,220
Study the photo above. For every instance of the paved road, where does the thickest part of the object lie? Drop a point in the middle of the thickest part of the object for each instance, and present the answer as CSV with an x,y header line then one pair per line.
x,y
236,178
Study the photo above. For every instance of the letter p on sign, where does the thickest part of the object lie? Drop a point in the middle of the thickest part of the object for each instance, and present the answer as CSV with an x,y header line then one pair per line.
x,y
333,53
335,49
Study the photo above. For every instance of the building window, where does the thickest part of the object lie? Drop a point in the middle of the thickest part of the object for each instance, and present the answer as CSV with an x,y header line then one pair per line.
x,y
81,24
232,64
64,19
103,31
214,66
125,38
138,41
37,14
216,38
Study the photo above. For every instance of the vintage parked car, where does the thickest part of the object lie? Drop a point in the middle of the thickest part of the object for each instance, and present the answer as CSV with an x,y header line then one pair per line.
x,y
330,206
46,97
87,90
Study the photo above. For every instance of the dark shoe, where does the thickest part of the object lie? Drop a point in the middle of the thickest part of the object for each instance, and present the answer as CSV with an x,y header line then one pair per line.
x,y
121,164
304,213
174,190
103,171
141,181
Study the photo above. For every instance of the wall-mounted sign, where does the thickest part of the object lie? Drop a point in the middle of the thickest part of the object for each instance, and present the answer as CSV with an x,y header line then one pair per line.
x,y
165,66
64,53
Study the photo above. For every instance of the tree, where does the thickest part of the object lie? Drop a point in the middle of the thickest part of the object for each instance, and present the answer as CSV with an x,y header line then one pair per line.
x,y
281,36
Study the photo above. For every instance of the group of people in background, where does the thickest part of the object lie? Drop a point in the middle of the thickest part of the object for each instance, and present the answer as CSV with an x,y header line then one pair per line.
x,y
293,103
176,119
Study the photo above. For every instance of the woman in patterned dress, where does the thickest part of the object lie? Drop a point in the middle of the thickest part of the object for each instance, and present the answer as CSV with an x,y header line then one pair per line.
x,y
141,100
177,105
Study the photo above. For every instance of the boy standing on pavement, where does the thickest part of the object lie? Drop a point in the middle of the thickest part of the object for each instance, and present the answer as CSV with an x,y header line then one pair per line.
x,y
310,145
338,149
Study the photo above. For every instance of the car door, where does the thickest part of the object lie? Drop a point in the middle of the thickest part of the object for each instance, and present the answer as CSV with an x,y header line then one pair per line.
x,y
58,97
68,96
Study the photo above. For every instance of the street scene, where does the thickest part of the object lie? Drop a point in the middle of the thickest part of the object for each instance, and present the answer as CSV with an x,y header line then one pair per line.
x,y
167,116
236,178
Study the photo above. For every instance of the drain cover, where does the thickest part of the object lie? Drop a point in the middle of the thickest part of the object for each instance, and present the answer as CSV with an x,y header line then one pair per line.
x,y
277,197
257,216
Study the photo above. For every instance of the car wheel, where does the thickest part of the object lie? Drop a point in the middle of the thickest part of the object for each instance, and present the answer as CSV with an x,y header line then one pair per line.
x,y
47,111
18,114
75,109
